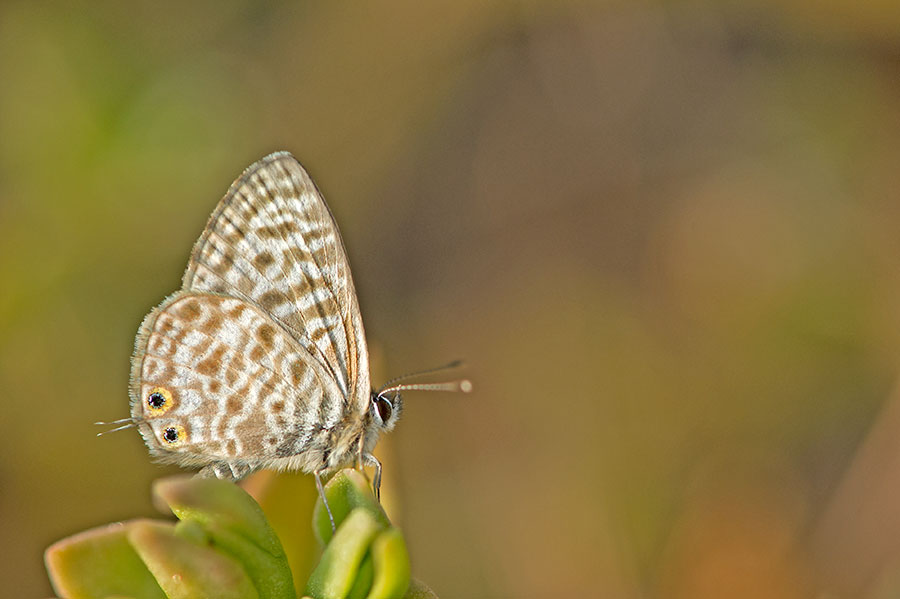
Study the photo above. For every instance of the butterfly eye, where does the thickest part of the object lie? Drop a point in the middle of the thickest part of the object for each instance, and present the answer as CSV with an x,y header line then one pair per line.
x,y
384,409
174,434
159,400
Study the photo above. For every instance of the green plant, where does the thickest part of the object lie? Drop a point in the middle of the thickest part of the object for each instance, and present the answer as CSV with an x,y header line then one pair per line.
x,y
222,546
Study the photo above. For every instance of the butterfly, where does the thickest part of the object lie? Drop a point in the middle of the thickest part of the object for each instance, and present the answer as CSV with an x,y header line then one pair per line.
x,y
260,359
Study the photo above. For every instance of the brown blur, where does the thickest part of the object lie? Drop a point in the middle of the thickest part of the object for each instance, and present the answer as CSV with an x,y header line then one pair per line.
x,y
663,236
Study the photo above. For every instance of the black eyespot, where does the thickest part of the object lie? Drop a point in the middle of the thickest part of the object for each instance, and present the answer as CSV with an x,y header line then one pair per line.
x,y
384,408
171,434
156,400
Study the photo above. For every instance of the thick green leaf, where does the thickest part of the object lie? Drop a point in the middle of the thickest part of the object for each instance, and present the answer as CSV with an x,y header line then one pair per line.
x,y
224,547
234,523
347,490
391,562
364,577
192,531
270,573
100,562
185,569
334,576
206,500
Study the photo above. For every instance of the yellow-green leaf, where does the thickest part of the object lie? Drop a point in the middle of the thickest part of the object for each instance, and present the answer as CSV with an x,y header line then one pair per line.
x,y
334,576
100,562
185,569
391,562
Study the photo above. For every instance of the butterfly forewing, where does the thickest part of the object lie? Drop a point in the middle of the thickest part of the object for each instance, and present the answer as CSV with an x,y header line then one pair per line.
x,y
260,360
273,242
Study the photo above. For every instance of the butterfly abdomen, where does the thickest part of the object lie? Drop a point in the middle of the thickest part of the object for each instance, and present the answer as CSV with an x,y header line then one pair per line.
x,y
324,449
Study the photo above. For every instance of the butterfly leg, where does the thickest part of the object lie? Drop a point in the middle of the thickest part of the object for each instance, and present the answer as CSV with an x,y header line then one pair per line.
x,y
321,488
376,480
226,471
367,459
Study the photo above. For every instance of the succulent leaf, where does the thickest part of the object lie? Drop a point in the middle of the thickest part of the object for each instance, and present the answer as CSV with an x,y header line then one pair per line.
x,y
100,562
347,490
334,576
185,569
223,546
236,525
391,563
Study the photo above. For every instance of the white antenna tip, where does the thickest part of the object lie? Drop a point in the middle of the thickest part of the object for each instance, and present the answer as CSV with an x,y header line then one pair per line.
x,y
465,386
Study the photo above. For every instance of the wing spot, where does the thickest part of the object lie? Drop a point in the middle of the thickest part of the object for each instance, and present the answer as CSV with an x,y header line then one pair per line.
x,y
156,344
301,288
150,369
263,260
224,264
298,369
212,326
236,312
189,310
165,327
266,335
278,406
257,353
277,231
233,405
159,401
238,363
320,255
213,363
174,436
272,299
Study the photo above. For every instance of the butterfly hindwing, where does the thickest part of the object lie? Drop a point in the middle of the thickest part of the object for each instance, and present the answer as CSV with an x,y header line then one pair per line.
x,y
215,379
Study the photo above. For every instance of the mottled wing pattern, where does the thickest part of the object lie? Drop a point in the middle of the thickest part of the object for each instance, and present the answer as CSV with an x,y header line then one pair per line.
x,y
273,242
236,386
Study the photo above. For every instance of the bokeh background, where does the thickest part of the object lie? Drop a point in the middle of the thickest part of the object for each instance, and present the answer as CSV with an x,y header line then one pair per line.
x,y
664,236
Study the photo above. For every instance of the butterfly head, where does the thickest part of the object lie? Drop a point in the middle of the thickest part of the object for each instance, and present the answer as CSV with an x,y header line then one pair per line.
x,y
385,409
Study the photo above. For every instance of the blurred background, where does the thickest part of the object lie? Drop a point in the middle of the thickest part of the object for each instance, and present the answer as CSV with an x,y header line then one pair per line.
x,y
664,236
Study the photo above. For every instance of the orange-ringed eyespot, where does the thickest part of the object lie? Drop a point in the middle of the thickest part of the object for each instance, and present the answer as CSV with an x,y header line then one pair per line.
x,y
174,435
159,401
156,400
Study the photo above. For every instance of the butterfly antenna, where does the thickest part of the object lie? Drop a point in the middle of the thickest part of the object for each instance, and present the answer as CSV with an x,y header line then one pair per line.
x,y
463,385
451,366
124,422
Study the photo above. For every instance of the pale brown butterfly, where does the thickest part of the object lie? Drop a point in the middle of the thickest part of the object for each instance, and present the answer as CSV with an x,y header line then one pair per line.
x,y
260,360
